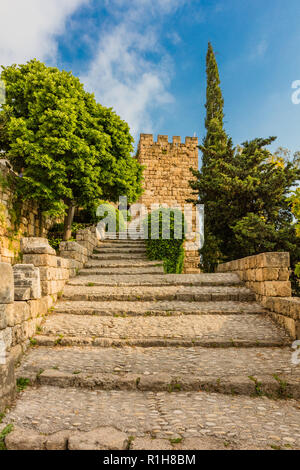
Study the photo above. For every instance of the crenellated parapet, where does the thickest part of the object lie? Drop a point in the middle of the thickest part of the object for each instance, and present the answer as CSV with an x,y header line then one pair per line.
x,y
148,139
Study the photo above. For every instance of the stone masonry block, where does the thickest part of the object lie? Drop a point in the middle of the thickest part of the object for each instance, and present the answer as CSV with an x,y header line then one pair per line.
x,y
277,289
273,260
27,276
39,307
63,263
41,260
18,314
36,245
6,310
289,306
6,284
6,337
22,293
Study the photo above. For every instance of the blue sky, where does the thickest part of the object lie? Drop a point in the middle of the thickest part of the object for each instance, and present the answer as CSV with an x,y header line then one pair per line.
x,y
146,58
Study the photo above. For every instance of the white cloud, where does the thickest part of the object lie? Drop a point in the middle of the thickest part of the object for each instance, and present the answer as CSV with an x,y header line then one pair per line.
x,y
28,28
130,71
259,50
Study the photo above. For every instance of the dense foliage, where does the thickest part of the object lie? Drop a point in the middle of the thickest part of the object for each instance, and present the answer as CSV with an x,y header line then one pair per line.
x,y
166,240
70,150
245,190
56,233
113,217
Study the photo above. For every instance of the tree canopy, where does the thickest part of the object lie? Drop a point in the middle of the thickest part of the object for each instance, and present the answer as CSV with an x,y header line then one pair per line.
x,y
70,150
245,190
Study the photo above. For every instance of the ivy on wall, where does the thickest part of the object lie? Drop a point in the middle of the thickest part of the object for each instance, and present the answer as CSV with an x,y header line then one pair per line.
x,y
166,235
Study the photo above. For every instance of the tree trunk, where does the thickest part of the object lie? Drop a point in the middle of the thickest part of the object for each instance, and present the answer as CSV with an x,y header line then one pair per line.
x,y
68,221
41,223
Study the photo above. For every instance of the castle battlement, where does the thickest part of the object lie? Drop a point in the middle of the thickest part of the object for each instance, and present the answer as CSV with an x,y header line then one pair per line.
x,y
148,139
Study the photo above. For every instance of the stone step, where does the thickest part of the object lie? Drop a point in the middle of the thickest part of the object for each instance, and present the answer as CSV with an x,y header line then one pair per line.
x,y
141,256
121,243
127,263
205,331
112,271
131,235
222,279
122,250
157,308
160,369
150,293
56,418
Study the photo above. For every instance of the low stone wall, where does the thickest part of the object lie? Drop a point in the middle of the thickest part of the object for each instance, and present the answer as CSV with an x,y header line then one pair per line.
x,y
88,238
19,321
75,253
27,292
7,375
16,220
268,274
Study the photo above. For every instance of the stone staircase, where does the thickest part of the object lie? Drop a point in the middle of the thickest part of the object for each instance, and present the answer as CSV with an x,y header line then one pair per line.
x,y
174,361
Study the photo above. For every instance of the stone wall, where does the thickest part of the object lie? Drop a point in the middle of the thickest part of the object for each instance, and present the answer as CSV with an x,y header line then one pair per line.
x,y
27,293
17,219
166,178
268,274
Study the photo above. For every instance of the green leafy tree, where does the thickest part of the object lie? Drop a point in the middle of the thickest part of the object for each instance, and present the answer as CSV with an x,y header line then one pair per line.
x,y
295,200
245,192
70,150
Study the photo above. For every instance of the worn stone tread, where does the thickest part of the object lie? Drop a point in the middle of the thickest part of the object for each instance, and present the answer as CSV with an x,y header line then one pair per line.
x,y
158,369
121,243
146,293
158,280
157,308
113,270
211,330
122,264
117,250
120,257
244,421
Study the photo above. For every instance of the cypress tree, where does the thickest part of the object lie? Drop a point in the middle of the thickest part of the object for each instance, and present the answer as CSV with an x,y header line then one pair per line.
x,y
244,190
215,139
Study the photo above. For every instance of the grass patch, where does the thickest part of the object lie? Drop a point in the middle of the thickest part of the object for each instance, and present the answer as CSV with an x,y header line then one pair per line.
x,y
257,385
8,429
176,441
22,383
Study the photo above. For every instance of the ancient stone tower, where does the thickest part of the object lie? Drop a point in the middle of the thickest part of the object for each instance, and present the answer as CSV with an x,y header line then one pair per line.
x,y
166,178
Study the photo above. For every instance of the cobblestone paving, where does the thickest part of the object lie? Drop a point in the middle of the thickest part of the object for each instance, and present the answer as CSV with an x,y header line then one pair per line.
x,y
121,256
148,390
159,307
211,327
152,361
122,263
138,270
203,293
258,422
158,280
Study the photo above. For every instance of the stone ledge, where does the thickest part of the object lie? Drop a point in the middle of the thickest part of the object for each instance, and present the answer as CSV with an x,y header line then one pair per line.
x,y
262,260
7,284
290,306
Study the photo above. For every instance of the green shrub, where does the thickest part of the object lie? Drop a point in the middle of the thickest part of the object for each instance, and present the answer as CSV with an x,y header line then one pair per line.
x,y
110,212
55,234
54,242
159,247
126,215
